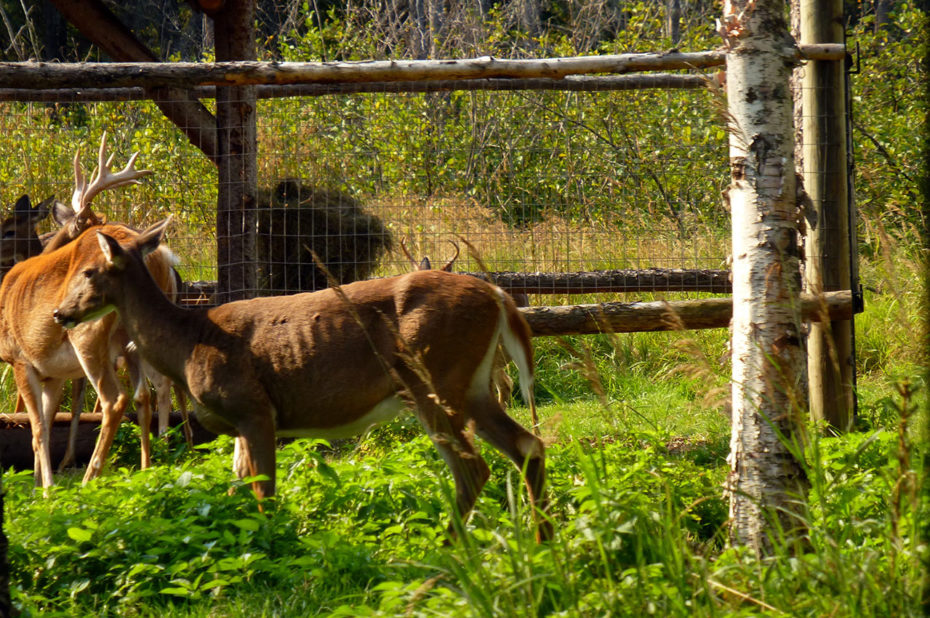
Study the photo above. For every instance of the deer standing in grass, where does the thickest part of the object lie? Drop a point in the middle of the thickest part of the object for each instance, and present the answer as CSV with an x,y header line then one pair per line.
x,y
328,364
42,354
501,381
19,240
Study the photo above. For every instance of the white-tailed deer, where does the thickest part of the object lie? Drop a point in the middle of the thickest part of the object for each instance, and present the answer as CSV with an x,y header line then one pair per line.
x,y
329,363
501,381
43,355
72,222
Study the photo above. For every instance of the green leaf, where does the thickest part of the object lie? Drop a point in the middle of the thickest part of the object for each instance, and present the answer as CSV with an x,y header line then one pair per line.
x,y
247,524
180,592
81,535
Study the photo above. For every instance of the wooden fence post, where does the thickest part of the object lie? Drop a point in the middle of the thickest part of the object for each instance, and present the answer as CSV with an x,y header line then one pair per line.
x,y
828,265
236,160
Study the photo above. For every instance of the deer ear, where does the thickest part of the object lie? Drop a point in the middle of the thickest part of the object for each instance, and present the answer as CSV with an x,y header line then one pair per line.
x,y
62,214
23,206
114,254
42,209
149,239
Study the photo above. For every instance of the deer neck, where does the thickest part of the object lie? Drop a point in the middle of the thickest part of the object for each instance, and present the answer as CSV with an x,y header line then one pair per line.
x,y
158,327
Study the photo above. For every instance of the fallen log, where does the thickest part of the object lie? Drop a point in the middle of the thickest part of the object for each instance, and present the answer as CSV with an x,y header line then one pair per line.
x,y
16,437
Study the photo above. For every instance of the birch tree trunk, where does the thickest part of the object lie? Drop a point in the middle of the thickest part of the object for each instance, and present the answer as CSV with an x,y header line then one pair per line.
x,y
765,478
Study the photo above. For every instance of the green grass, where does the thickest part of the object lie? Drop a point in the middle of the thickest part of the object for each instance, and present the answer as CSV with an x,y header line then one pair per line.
x,y
360,530
637,431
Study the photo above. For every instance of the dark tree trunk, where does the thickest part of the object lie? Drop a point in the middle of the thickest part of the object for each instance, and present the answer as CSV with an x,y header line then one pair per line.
x,y
882,10
6,606
236,141
54,33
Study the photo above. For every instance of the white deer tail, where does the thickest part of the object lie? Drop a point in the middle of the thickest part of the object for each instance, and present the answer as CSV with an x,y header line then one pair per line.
x,y
516,340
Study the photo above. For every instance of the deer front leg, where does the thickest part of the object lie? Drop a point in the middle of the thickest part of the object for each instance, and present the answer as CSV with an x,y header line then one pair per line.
x,y
113,404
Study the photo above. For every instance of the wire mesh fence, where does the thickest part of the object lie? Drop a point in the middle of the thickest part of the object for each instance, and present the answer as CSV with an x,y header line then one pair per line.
x,y
533,182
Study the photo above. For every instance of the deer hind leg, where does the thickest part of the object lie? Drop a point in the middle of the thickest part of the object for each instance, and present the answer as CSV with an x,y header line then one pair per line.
x,y
522,447
32,392
457,448
78,386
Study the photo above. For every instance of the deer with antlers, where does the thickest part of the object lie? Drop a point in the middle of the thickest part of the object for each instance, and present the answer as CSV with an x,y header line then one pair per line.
x,y
19,240
328,363
43,355
502,382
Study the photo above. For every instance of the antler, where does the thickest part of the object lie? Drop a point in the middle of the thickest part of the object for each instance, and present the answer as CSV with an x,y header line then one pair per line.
x,y
421,265
101,180
425,263
448,265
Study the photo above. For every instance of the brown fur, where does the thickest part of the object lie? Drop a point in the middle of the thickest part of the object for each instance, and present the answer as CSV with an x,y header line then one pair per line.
x,y
319,362
43,354
295,219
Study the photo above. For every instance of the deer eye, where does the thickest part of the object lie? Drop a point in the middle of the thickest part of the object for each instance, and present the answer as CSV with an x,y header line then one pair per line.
x,y
88,273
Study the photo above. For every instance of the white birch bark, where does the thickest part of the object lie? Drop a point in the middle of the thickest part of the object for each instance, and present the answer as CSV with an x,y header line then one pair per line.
x,y
765,479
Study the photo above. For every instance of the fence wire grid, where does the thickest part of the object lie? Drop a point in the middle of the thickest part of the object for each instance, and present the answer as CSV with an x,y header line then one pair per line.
x,y
531,182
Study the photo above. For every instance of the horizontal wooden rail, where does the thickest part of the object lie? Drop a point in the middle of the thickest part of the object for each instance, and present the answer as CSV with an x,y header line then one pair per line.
x,y
660,315
617,281
44,75
585,282
572,83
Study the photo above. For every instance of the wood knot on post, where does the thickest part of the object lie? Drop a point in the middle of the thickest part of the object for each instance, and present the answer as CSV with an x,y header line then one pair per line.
x,y
738,168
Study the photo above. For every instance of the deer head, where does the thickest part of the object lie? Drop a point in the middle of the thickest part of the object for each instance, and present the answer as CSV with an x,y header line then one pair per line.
x,y
18,237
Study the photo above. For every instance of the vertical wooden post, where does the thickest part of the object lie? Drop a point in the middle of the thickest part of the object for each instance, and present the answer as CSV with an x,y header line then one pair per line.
x,y
831,361
236,160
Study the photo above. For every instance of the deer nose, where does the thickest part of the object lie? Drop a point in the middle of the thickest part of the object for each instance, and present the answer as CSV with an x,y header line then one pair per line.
x,y
61,319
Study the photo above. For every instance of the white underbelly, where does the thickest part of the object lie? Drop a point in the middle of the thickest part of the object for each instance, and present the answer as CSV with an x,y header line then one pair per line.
x,y
384,411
